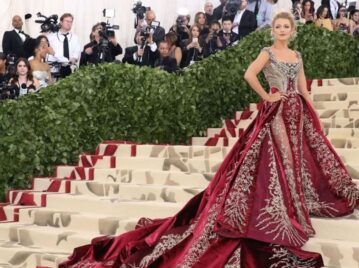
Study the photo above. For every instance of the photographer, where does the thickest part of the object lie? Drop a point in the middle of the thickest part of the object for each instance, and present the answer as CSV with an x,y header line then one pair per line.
x,y
212,42
181,29
151,23
102,48
66,45
144,53
4,77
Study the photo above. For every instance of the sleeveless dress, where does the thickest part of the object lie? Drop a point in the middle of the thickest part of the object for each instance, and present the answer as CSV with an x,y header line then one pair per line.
x,y
41,76
255,212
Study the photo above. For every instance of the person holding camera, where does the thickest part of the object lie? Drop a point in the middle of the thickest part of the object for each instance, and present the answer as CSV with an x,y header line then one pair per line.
x,y
164,61
102,48
193,50
13,41
66,45
181,29
144,53
227,37
4,77
212,42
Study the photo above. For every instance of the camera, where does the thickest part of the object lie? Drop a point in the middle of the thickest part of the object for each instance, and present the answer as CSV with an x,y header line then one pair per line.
x,y
7,91
232,7
48,24
108,30
140,10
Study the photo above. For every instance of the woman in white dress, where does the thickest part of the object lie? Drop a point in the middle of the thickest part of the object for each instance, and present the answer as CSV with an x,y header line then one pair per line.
x,y
40,69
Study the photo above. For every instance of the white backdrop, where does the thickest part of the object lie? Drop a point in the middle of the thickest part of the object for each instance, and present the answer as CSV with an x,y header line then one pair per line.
x,y
88,12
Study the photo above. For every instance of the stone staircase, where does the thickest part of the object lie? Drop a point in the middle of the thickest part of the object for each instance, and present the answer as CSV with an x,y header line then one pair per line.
x,y
106,193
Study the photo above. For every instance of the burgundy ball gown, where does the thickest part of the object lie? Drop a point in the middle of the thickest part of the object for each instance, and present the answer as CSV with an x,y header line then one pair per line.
x,y
255,212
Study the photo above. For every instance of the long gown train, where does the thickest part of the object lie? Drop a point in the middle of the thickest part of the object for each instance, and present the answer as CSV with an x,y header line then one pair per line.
x,y
255,212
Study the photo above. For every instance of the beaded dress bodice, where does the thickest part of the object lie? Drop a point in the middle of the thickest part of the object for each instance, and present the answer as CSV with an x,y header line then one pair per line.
x,y
282,75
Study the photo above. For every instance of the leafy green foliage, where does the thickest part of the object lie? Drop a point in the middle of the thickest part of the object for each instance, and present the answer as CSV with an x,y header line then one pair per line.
x,y
125,102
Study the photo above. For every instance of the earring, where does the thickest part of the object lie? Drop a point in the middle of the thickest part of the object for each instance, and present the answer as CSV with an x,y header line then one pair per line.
x,y
272,36
293,36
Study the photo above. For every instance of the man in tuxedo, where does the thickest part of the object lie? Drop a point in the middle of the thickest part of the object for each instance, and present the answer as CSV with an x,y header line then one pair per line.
x,y
333,7
226,36
218,11
244,21
13,41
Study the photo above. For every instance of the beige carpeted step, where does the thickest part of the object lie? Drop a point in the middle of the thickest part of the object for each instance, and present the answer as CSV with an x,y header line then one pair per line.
x,y
174,178
116,206
336,253
335,89
337,96
16,256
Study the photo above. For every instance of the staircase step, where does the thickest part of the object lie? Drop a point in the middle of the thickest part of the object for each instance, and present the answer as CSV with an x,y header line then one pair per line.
x,y
323,96
114,206
103,224
16,256
346,104
335,253
336,89
193,179
161,151
164,164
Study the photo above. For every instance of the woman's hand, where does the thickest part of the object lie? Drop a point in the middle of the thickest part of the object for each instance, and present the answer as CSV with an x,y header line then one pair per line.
x,y
277,97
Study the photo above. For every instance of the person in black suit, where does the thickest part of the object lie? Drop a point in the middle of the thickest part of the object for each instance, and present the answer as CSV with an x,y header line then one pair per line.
x,y
159,32
144,53
218,11
226,36
244,21
12,42
333,8
101,48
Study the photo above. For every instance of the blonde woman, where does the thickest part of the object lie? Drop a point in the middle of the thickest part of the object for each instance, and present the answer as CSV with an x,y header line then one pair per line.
x,y
255,211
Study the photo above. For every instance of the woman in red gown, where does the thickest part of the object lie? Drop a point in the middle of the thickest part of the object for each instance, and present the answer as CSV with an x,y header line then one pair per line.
x,y
255,212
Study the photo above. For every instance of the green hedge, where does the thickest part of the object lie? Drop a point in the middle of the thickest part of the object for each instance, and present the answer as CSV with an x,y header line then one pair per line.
x,y
125,102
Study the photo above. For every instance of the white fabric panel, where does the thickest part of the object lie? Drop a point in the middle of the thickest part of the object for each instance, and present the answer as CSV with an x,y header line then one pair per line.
x,y
88,12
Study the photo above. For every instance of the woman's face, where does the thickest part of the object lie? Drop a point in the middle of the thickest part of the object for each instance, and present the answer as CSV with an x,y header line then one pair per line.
x,y
201,19
195,32
342,12
43,48
307,6
356,17
324,13
282,29
21,68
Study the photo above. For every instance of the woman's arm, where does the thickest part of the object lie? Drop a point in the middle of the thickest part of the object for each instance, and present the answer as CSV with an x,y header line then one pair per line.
x,y
178,55
251,77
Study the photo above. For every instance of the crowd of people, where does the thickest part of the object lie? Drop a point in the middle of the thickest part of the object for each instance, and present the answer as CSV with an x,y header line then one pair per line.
x,y
56,54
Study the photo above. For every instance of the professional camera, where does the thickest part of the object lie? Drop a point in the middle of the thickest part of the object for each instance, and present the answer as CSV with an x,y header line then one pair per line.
x,y
10,64
140,10
232,7
48,24
7,91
